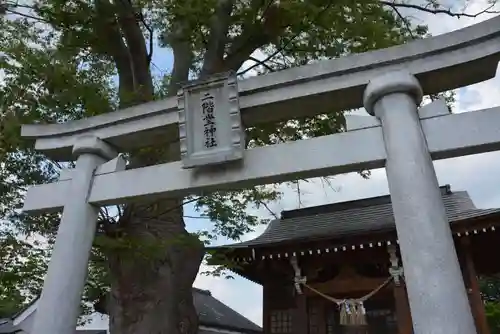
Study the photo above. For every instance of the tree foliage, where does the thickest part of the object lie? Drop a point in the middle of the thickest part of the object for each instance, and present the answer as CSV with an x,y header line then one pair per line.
x,y
63,60
490,292
22,267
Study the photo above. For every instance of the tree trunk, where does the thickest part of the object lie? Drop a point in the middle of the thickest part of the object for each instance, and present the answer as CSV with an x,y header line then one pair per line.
x,y
152,277
154,261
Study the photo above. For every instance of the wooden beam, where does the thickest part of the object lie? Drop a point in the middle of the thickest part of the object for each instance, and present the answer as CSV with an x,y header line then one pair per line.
x,y
300,315
266,309
347,281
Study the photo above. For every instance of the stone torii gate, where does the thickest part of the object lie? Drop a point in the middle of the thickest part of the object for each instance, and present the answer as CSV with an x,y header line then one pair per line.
x,y
402,137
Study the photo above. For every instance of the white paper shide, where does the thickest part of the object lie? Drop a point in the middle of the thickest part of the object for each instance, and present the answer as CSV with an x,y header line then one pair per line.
x,y
210,130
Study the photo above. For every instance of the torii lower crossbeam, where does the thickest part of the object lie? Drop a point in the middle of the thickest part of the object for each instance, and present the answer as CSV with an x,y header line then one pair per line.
x,y
447,137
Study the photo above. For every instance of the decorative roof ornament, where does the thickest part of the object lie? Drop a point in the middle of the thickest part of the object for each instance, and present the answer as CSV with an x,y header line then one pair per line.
x,y
298,279
395,270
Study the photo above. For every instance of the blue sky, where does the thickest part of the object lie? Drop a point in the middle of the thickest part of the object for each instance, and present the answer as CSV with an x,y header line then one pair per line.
x,y
476,174
163,60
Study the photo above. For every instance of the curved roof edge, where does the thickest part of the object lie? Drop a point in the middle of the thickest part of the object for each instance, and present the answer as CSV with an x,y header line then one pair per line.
x,y
444,62
352,218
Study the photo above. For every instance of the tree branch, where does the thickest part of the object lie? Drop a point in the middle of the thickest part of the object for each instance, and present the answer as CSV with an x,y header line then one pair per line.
x,y
440,10
151,37
216,45
8,10
107,28
281,48
183,58
260,62
170,209
195,217
394,6
255,35
264,204
243,47
405,22
129,23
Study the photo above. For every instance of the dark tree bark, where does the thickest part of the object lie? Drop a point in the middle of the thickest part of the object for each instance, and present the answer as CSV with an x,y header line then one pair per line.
x,y
151,290
151,279
153,273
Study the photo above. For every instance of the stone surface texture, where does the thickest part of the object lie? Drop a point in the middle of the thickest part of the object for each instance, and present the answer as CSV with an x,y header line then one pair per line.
x,y
436,292
448,136
63,285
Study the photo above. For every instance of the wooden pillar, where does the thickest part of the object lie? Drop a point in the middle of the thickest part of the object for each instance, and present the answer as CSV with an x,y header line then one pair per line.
x,y
403,313
300,320
472,284
322,304
266,309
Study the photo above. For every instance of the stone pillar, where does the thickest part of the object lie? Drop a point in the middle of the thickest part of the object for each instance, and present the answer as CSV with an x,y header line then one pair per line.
x,y
436,291
59,306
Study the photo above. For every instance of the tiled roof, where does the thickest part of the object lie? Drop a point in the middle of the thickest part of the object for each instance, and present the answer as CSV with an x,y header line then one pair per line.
x,y
212,331
353,218
213,313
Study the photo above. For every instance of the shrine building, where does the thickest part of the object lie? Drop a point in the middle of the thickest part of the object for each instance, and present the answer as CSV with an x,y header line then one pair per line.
x,y
336,268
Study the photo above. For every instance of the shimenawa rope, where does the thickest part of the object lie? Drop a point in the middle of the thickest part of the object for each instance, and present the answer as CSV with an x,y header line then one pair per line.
x,y
352,311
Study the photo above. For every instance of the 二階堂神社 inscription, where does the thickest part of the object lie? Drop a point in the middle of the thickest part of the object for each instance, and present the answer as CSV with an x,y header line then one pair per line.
x,y
210,130
209,126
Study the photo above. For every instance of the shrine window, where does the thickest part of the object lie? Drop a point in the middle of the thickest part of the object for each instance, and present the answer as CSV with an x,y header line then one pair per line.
x,y
281,322
382,320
